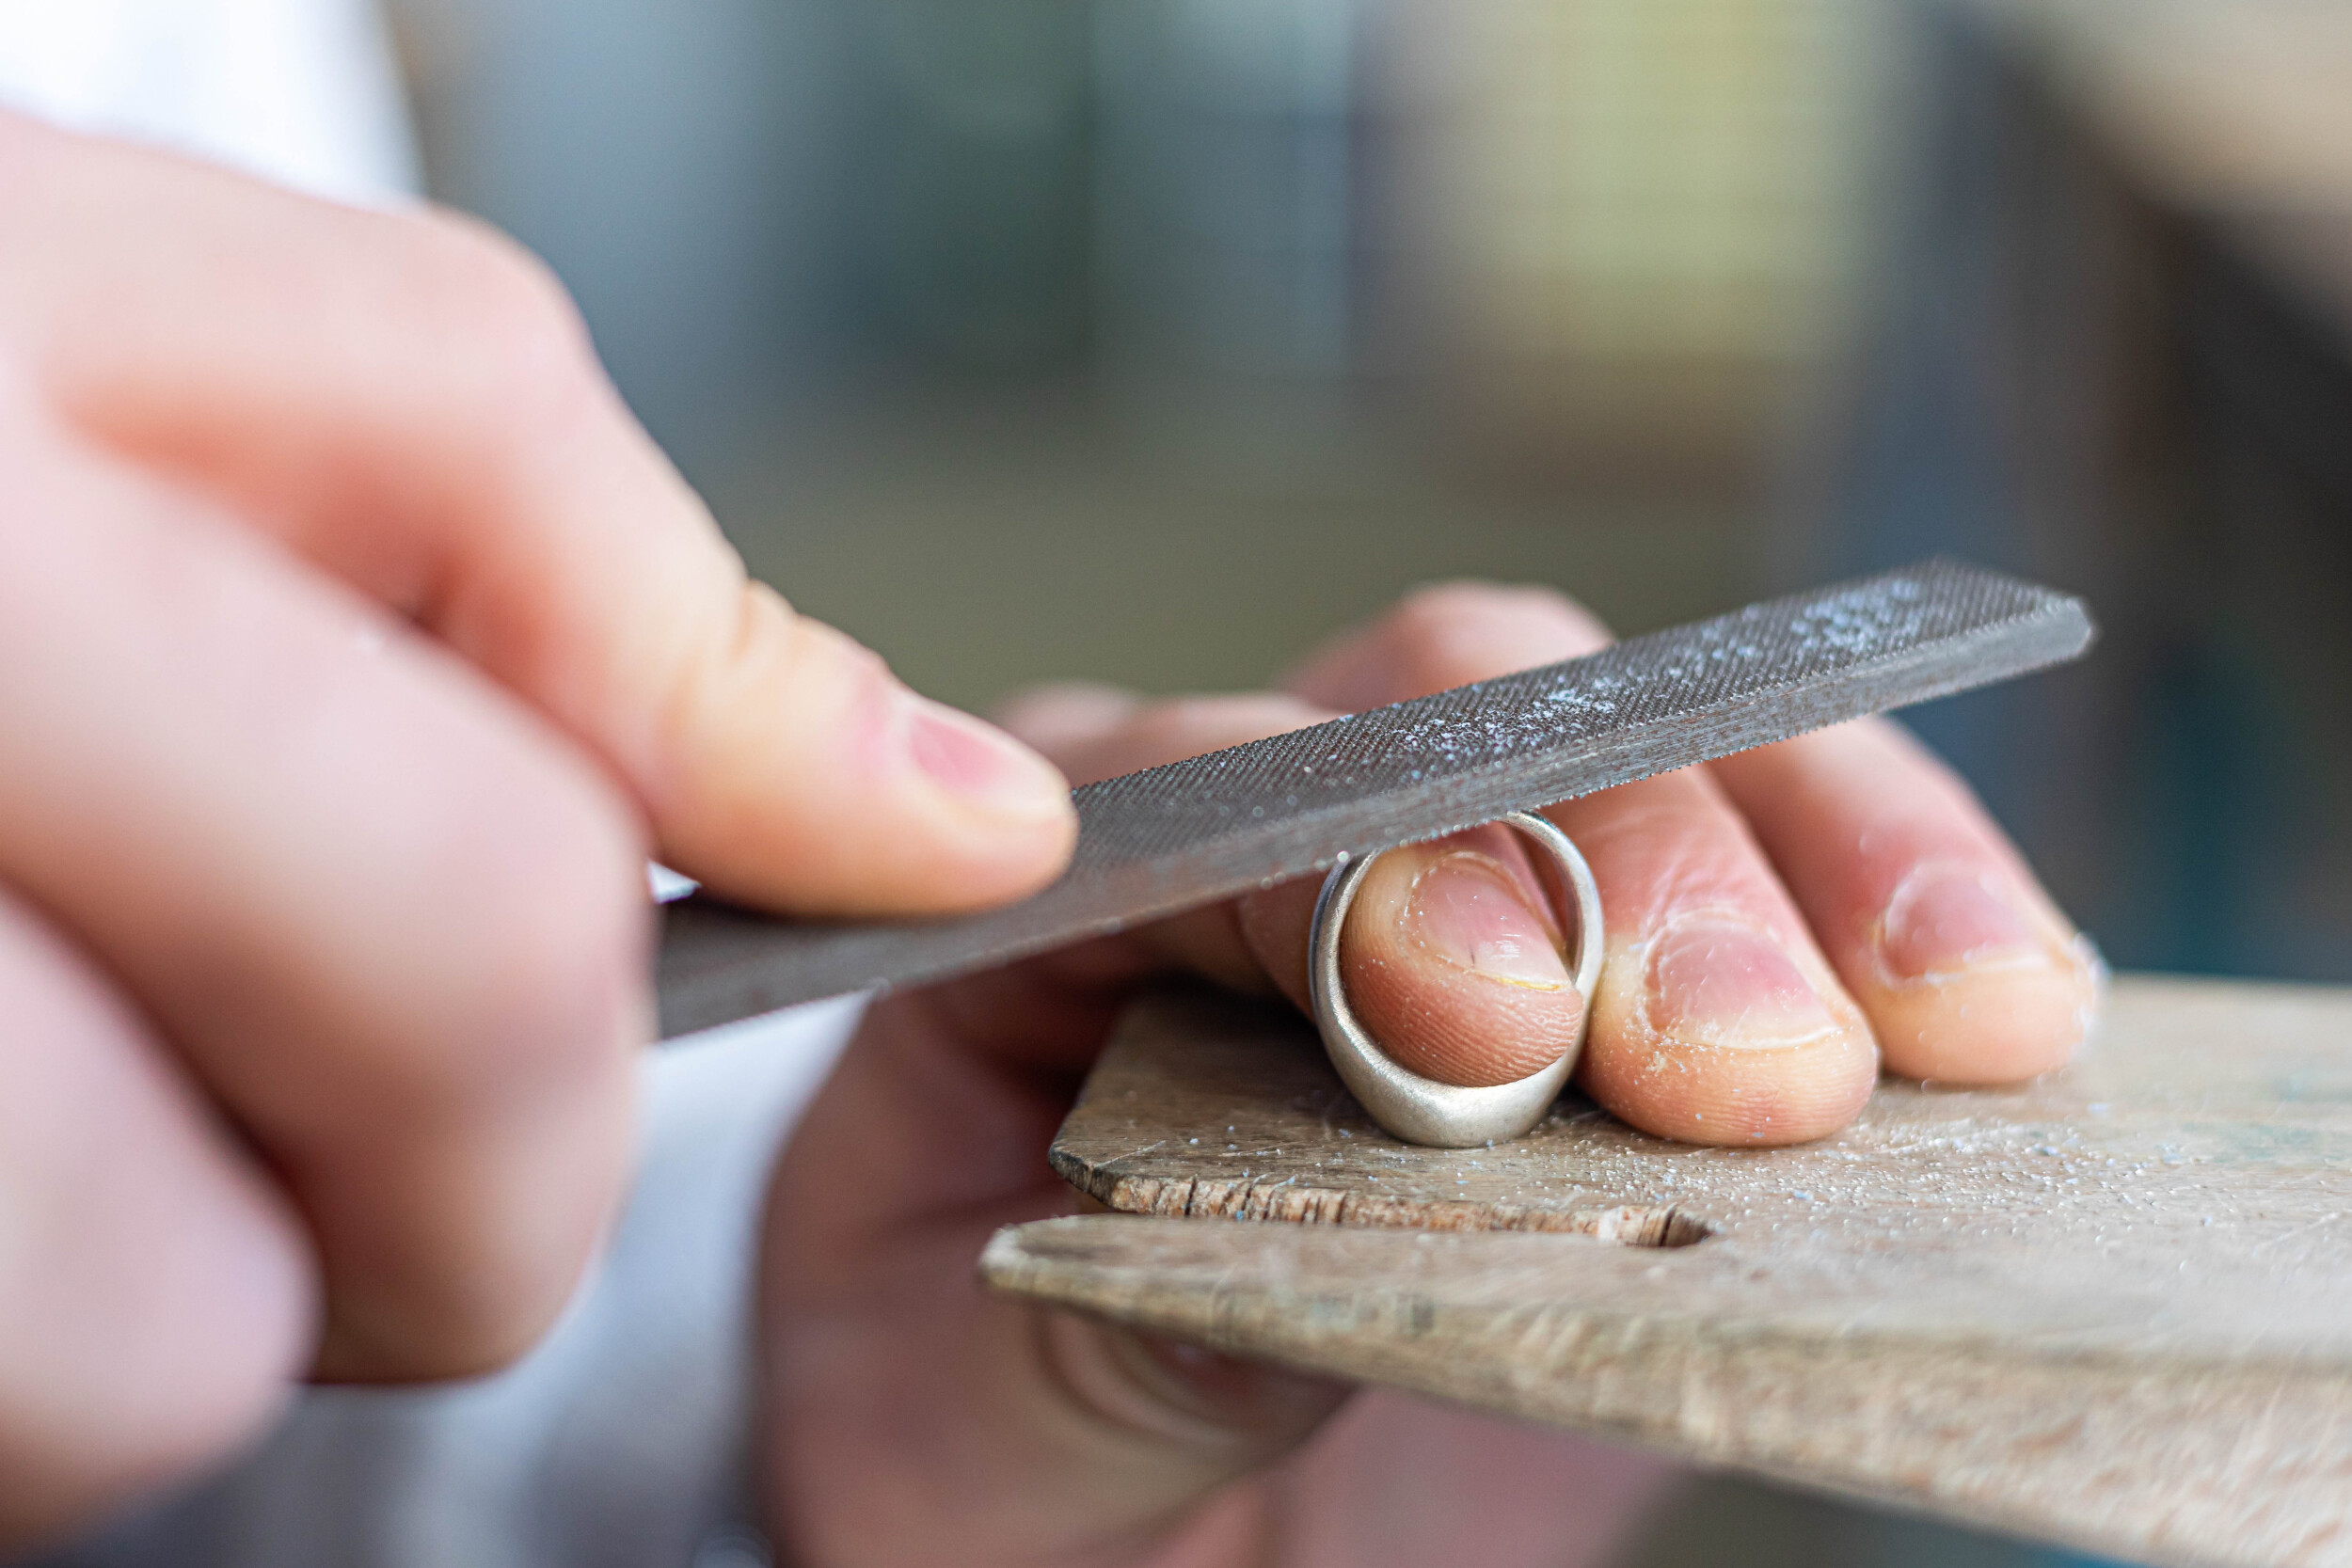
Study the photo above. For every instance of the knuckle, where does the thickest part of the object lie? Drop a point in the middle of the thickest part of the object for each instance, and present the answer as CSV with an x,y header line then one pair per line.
x,y
211,1401
491,1282
504,323
199,1409
538,976
763,651
821,662
568,916
154,1305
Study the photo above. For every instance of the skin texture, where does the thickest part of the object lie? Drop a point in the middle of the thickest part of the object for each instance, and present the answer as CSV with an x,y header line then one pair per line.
x,y
355,648
911,1420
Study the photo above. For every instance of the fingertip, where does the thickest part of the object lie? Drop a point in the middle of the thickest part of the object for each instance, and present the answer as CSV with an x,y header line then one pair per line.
x,y
1008,808
1734,1097
1728,1097
1714,1033
808,779
1452,964
972,850
2002,1023
1969,973
1971,976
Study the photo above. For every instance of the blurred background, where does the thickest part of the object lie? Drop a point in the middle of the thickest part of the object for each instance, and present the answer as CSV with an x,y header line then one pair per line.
x,y
1153,341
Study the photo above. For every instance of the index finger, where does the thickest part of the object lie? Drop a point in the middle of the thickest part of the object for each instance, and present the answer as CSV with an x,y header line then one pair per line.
x,y
411,404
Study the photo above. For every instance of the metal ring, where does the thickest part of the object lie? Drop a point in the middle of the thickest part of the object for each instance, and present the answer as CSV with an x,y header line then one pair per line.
x,y
1421,1110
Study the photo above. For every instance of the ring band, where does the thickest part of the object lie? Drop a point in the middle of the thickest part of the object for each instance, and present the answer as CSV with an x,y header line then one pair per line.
x,y
1423,1110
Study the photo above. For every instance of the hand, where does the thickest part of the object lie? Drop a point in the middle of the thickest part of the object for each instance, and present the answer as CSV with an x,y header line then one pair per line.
x,y
355,646
1776,924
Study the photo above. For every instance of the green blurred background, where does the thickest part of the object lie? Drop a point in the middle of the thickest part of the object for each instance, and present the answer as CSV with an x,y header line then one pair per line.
x,y
1026,338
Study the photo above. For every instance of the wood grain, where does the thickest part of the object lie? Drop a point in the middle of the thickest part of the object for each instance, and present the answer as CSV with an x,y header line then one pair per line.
x,y
2111,1308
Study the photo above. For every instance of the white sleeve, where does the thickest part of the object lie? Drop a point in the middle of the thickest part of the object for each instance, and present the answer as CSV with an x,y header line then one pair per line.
x,y
620,1441
304,92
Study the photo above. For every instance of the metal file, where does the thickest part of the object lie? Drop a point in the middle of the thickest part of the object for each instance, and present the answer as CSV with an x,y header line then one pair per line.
x,y
1173,838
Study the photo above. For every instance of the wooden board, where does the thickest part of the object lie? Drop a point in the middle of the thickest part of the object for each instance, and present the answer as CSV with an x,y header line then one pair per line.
x,y
2111,1308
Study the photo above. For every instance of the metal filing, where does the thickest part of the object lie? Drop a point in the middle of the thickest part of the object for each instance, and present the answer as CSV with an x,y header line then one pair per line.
x,y
1156,842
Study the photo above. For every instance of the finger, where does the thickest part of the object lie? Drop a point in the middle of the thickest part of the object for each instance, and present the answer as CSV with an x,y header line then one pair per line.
x,y
998,1434
1967,970
1094,733
1451,956
1716,1020
412,405
396,926
1498,1000
913,1419
156,1295
1059,1440
1453,961
1062,718
1433,637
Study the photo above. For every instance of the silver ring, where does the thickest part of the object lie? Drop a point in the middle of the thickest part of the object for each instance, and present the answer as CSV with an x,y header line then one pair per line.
x,y
1421,1110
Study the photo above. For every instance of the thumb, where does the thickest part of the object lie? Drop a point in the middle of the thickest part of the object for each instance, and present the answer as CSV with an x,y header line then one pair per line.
x,y
411,404
1043,1437
914,1418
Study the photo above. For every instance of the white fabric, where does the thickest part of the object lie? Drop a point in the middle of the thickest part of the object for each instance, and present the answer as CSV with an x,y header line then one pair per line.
x,y
300,91
618,1444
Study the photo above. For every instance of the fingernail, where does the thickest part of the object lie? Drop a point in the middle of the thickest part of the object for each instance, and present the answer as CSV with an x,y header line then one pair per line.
x,y
1718,981
1946,919
1466,910
980,765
